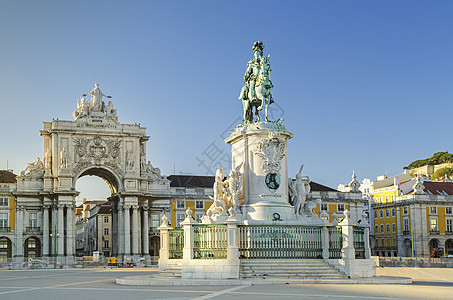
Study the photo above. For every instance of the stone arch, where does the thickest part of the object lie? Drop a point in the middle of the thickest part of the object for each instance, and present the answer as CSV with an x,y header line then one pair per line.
x,y
112,179
32,247
6,247
449,247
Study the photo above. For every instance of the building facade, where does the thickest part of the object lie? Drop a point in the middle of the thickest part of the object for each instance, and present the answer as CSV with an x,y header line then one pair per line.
x,y
7,214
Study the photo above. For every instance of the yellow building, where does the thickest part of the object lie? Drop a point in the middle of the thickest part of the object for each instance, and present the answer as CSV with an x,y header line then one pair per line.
x,y
7,213
189,192
412,217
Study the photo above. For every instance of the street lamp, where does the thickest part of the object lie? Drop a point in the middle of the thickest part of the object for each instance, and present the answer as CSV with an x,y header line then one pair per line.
x,y
54,236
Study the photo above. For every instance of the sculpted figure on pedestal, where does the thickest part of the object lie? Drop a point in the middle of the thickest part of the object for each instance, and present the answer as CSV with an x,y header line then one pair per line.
x,y
97,105
257,90
299,188
48,159
63,158
233,187
36,167
218,208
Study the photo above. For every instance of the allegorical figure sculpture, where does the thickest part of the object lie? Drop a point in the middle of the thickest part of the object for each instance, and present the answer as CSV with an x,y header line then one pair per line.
x,y
35,167
97,105
64,158
257,90
218,207
233,187
299,188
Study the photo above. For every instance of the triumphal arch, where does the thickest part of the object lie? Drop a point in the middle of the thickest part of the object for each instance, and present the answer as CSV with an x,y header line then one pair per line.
x,y
94,143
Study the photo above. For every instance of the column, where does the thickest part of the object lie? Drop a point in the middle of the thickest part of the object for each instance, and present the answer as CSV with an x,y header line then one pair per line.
x,y
120,228
367,242
127,230
115,250
145,232
20,232
60,230
70,230
45,231
135,230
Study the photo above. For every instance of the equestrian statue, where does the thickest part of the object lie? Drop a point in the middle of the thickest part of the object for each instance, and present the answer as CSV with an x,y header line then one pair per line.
x,y
257,90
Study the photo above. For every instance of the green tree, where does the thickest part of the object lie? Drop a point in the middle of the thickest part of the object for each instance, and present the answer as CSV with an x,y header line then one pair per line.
x,y
441,173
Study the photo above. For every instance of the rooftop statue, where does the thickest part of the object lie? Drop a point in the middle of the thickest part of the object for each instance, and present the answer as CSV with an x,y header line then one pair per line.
x,y
257,90
96,101
95,106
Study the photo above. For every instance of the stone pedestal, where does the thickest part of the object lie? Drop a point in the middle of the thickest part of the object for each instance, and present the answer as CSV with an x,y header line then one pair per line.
x,y
261,149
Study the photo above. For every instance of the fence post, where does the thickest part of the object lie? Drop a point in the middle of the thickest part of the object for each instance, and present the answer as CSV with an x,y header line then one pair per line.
x,y
367,242
325,237
164,251
347,229
187,225
232,248
347,251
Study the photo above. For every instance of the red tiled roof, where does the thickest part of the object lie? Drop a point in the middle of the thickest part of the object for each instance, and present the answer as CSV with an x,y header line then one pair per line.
x,y
7,177
436,188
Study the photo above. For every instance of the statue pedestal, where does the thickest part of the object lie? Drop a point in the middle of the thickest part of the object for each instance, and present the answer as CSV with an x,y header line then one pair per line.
x,y
261,149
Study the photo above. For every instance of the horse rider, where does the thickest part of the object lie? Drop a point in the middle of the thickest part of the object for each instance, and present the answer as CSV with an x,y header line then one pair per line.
x,y
252,72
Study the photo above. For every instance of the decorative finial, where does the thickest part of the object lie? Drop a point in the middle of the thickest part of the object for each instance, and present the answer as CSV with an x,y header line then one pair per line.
x,y
188,213
164,219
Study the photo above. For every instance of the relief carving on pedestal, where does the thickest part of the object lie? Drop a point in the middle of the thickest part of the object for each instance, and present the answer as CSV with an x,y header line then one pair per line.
x,y
271,151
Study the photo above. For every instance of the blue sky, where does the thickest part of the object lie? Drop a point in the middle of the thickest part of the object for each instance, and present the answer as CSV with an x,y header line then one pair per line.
x,y
364,85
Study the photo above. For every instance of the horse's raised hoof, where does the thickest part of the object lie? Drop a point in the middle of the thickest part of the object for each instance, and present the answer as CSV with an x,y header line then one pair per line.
x,y
260,107
267,120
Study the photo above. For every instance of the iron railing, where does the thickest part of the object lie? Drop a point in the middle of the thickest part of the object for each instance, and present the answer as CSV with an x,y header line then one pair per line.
x,y
335,241
33,229
359,242
279,241
210,241
176,237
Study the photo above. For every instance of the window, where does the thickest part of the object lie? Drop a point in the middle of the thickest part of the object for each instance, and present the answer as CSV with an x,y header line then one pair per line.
x,y
433,224
3,201
394,242
380,200
106,244
449,225
200,192
198,217
382,228
155,220
406,225
106,219
324,207
106,231
393,212
199,204
386,199
4,220
405,210
383,242
388,228
393,198
394,227
377,243
387,213
433,210
376,229
179,219
375,214
33,219
340,208
381,213
180,204
448,210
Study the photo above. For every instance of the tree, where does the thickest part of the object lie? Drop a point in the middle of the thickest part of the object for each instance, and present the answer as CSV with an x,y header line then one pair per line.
x,y
439,174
